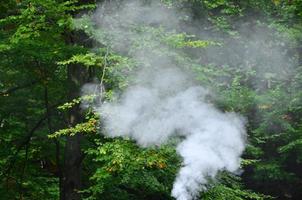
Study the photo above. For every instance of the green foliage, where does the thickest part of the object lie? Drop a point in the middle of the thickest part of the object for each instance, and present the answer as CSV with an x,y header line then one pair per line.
x,y
125,171
36,52
33,40
230,188
89,59
88,127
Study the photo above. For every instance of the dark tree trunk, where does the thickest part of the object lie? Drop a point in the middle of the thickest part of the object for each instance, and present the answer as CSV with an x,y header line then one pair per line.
x,y
77,76
72,175
73,156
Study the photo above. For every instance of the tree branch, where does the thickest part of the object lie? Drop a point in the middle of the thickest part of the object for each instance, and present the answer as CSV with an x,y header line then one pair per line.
x,y
13,89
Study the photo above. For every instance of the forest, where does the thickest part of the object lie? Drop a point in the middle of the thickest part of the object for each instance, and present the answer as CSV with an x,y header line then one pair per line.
x,y
150,99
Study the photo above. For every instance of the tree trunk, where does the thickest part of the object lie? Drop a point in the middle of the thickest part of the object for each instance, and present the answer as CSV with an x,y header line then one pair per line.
x,y
73,156
77,76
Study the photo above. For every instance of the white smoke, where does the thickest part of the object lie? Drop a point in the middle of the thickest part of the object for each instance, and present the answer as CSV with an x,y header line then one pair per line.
x,y
164,102
151,114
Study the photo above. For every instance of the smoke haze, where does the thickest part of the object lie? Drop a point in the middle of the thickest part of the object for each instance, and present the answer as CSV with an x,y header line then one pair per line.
x,y
163,101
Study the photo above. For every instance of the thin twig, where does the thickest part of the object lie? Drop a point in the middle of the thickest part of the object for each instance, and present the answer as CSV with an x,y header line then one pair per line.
x,y
104,71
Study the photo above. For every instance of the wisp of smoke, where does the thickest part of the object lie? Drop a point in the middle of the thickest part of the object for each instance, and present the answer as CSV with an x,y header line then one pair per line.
x,y
163,102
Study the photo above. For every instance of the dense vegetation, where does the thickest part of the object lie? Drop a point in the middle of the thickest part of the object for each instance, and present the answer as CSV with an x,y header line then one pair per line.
x,y
249,53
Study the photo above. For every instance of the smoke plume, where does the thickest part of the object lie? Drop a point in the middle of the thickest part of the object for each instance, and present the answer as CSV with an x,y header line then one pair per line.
x,y
163,101
160,108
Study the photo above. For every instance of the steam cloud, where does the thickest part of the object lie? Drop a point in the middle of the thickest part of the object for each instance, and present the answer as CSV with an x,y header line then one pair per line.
x,y
163,102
